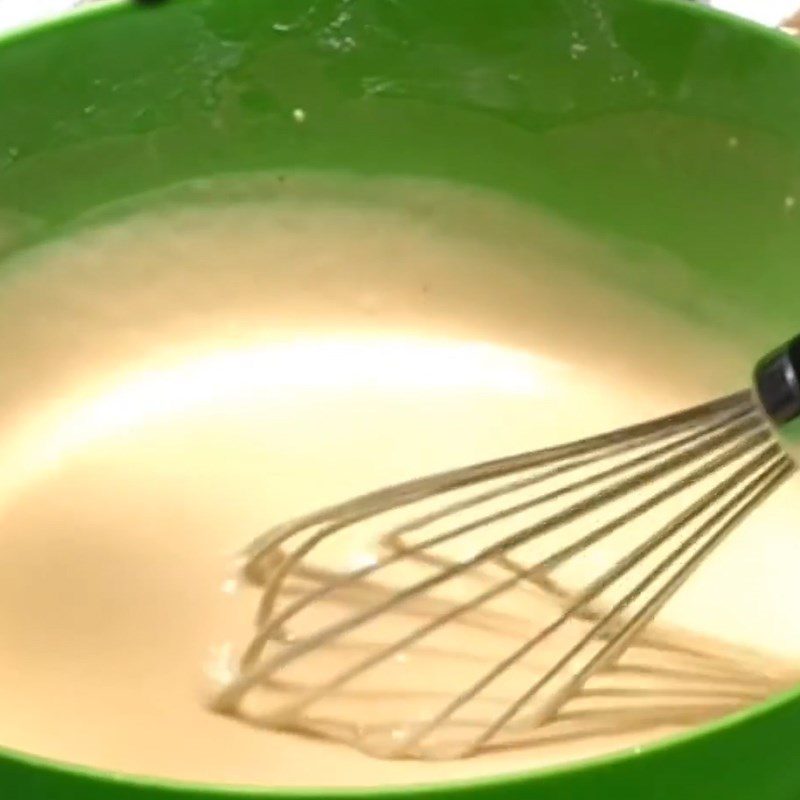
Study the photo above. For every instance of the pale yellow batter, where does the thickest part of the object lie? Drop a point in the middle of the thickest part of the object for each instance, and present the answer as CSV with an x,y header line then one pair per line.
x,y
179,382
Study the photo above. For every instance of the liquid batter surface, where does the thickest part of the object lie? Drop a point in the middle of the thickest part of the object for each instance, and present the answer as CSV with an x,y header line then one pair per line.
x,y
181,381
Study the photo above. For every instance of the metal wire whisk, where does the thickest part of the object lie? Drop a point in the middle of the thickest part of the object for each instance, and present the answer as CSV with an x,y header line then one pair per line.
x,y
505,594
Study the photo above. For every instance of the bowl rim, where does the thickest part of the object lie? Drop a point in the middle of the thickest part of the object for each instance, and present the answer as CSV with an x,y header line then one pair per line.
x,y
500,781
504,780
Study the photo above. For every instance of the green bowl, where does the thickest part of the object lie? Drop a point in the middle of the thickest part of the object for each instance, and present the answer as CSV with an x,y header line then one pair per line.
x,y
657,126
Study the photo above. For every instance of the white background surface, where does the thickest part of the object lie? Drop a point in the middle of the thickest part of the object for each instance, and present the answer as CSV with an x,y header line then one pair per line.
x,y
14,13
770,12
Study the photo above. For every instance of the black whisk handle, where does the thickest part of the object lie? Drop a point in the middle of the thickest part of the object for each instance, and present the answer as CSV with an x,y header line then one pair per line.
x,y
777,382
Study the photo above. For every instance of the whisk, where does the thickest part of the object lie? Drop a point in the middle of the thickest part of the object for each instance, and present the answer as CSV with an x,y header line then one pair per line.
x,y
508,596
